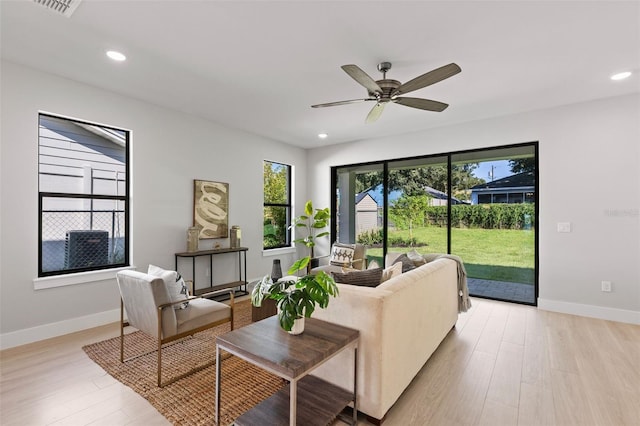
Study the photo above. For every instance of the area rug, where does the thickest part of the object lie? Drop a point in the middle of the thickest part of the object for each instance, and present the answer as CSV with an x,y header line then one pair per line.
x,y
189,401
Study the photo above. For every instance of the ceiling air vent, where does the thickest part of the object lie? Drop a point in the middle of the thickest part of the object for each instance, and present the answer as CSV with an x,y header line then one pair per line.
x,y
63,7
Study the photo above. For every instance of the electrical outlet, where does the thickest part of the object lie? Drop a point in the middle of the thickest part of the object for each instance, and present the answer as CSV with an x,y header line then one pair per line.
x,y
564,226
606,286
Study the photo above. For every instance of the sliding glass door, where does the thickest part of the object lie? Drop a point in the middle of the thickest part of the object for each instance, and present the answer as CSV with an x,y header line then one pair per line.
x,y
478,204
494,232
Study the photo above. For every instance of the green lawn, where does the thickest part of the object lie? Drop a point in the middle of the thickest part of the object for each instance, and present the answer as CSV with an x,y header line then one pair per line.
x,y
495,254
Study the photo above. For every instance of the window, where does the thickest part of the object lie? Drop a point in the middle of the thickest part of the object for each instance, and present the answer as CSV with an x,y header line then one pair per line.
x,y
83,196
277,205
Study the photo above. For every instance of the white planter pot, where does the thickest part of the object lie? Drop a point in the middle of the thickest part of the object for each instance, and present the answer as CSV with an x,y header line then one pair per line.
x,y
298,326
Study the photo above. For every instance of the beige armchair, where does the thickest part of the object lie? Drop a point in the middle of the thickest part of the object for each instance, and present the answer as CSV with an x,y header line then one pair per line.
x,y
356,261
150,310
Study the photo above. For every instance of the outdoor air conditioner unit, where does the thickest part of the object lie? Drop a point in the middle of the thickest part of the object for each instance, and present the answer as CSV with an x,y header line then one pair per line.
x,y
83,249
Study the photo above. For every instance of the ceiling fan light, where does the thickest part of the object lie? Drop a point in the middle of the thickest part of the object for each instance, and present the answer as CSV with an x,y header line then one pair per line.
x,y
621,75
116,56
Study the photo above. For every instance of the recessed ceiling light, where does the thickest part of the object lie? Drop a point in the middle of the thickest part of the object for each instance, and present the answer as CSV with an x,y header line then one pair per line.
x,y
621,75
116,56
323,135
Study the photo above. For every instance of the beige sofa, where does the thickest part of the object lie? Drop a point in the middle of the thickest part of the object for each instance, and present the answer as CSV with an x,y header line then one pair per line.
x,y
402,321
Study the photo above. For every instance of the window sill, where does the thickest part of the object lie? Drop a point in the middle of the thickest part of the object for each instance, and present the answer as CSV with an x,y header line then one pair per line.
x,y
77,278
278,251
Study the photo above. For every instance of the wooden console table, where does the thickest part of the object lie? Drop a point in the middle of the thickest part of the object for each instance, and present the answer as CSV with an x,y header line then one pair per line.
x,y
310,400
242,268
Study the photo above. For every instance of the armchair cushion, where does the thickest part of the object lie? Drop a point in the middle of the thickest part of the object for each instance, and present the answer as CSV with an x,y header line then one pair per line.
x,y
201,312
176,288
342,254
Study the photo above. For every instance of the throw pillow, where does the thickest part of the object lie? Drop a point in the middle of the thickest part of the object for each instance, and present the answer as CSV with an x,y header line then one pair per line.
x,y
367,277
392,271
175,285
373,264
342,254
407,264
416,258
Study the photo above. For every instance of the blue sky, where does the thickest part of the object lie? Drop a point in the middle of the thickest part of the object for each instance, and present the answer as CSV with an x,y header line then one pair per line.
x,y
500,169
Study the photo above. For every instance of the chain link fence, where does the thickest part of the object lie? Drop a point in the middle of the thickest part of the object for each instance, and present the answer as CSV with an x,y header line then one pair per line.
x,y
73,239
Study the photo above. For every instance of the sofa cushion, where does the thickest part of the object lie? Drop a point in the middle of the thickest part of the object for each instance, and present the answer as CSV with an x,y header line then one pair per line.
x,y
390,272
373,264
416,258
342,254
407,264
366,278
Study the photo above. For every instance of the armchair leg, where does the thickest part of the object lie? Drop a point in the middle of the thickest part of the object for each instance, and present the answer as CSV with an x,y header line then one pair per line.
x,y
121,330
159,363
159,347
231,303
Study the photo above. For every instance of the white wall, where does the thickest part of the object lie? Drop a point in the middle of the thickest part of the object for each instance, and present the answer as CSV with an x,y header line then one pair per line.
x,y
589,176
169,150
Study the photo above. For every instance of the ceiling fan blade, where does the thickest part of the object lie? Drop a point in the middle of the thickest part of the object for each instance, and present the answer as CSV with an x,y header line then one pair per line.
x,y
362,77
352,101
375,112
428,79
419,103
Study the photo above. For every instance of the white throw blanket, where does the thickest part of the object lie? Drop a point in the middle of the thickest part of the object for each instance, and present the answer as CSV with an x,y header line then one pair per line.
x,y
464,303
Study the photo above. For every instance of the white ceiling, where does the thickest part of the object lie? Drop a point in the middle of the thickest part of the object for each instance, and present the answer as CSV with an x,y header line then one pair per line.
x,y
259,65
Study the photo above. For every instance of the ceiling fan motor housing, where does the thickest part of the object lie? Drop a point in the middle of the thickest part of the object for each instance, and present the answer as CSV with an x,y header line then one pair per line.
x,y
388,87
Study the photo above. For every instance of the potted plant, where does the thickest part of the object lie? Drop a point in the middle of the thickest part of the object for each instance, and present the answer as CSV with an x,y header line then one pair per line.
x,y
297,299
313,221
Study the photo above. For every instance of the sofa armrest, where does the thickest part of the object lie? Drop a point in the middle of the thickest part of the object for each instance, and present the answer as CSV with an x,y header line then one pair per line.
x,y
360,308
401,323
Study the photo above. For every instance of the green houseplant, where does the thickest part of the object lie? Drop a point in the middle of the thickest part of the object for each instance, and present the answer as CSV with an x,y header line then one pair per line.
x,y
297,299
313,221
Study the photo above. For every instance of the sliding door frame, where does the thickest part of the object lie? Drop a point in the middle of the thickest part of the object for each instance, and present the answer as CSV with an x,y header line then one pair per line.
x,y
449,155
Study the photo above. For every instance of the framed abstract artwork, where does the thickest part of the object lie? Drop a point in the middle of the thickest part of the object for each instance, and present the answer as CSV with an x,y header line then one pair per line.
x,y
211,208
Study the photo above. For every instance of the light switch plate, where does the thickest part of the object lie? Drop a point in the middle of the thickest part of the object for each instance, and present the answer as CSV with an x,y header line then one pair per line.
x,y
564,226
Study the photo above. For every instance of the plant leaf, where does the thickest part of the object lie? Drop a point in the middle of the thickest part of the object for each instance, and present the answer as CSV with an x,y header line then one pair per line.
x,y
298,265
308,208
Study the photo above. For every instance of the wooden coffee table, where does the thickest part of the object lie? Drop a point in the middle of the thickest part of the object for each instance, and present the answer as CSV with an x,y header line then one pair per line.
x,y
310,400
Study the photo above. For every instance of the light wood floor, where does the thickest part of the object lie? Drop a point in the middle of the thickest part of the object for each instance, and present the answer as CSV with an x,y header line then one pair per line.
x,y
503,364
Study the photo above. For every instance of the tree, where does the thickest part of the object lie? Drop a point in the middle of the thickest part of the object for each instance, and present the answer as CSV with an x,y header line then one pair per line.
x,y
408,212
462,179
368,180
413,181
522,165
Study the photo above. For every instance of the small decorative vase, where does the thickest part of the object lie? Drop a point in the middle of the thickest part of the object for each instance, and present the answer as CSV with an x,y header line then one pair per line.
x,y
236,236
276,270
298,326
192,239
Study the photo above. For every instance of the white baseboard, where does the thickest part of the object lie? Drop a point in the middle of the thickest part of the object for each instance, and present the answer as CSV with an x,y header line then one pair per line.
x,y
47,331
592,311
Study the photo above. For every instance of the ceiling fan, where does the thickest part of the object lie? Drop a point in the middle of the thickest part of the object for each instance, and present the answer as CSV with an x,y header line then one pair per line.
x,y
387,90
